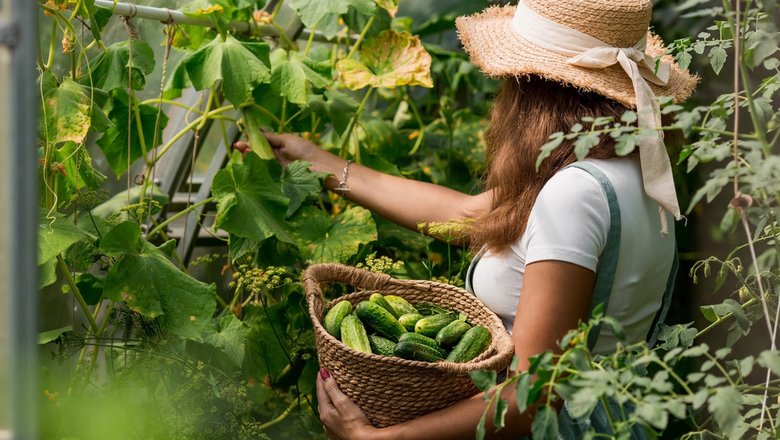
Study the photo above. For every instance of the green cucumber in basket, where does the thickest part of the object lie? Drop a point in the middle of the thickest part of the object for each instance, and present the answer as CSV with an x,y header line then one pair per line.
x,y
451,333
335,315
354,335
416,351
472,344
430,325
408,320
380,320
429,309
380,300
400,305
421,339
380,345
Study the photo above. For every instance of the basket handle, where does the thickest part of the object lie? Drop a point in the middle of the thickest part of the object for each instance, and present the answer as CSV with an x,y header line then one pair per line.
x,y
360,278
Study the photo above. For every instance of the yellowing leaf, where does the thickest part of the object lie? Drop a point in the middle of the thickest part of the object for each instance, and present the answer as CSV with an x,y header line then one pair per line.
x,y
390,5
391,59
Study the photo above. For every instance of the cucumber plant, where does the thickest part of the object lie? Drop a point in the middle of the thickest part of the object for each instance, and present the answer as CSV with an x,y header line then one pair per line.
x,y
365,88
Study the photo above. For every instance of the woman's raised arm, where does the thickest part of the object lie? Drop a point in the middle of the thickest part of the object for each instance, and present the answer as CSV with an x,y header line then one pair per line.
x,y
403,201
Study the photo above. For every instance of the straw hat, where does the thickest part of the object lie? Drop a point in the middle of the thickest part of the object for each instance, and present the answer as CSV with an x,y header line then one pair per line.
x,y
499,51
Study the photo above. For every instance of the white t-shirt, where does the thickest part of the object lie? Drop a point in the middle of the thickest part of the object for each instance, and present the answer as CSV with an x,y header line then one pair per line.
x,y
569,222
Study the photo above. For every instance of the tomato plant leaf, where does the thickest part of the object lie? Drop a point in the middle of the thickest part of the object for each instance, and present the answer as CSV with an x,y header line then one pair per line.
x,y
146,280
324,14
230,338
322,240
545,424
112,68
391,59
113,143
250,203
238,65
293,75
726,406
299,183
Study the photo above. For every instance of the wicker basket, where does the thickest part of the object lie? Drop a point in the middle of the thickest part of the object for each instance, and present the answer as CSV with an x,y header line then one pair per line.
x,y
391,390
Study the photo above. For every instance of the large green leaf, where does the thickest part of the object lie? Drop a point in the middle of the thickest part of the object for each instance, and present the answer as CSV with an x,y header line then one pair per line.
x,y
250,203
267,346
79,170
240,66
299,183
337,106
230,338
114,142
324,14
69,110
145,279
293,75
323,240
391,59
111,69
56,233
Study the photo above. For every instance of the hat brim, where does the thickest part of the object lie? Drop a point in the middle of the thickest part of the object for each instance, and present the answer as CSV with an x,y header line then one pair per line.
x,y
499,51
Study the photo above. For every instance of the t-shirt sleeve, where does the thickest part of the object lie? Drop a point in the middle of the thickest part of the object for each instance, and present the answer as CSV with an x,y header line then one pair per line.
x,y
569,221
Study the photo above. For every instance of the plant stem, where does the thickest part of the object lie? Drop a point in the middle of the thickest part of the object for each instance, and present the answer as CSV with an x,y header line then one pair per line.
x,y
720,319
363,33
178,215
170,102
189,127
281,416
310,40
352,123
77,294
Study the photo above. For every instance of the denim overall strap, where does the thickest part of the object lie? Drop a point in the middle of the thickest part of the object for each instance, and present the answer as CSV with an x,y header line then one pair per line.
x,y
652,335
605,274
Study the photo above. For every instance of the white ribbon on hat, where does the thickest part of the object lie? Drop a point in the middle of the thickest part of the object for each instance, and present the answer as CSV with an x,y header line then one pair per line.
x,y
592,53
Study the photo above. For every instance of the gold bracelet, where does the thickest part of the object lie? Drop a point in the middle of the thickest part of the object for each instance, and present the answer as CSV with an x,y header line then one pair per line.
x,y
342,188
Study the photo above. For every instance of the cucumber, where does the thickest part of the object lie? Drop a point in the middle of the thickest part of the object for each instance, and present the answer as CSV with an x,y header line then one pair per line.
x,y
335,315
430,325
472,344
380,300
408,320
380,345
451,333
353,334
416,351
421,339
428,309
380,320
400,305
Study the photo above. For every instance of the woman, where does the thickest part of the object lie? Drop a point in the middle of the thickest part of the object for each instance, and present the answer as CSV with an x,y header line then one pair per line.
x,y
543,234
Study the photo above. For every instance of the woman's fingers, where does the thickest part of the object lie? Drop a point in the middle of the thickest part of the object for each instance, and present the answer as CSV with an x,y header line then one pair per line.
x,y
275,140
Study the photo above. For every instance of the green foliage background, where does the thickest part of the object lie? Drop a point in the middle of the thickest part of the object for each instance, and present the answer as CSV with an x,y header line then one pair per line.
x,y
222,347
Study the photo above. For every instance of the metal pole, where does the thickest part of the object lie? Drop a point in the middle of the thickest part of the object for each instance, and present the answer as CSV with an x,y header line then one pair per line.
x,y
166,15
18,220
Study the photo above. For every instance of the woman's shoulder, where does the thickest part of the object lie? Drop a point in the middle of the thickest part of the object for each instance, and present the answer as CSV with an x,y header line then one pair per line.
x,y
573,183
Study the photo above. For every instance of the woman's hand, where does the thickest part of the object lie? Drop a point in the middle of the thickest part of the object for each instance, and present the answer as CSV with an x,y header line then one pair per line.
x,y
288,148
343,419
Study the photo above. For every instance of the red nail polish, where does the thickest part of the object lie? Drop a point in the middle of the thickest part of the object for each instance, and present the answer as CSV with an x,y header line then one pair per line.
x,y
324,374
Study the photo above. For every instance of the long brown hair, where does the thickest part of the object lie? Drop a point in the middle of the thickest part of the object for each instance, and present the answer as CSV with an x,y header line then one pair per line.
x,y
524,115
